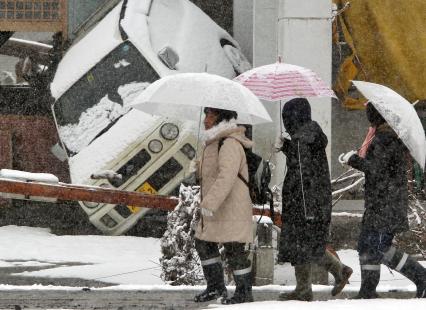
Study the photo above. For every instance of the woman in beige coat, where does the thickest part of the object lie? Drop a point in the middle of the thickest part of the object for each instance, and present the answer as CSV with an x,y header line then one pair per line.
x,y
226,207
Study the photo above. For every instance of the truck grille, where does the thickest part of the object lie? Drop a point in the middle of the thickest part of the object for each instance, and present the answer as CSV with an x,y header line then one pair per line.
x,y
132,167
163,175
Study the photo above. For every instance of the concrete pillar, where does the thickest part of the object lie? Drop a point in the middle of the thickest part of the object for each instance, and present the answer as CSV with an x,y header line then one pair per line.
x,y
304,39
265,44
263,257
299,31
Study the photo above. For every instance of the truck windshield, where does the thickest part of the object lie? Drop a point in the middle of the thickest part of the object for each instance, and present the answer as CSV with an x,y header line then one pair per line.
x,y
96,101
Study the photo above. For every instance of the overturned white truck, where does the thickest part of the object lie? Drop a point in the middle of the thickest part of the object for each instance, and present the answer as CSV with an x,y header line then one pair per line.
x,y
138,42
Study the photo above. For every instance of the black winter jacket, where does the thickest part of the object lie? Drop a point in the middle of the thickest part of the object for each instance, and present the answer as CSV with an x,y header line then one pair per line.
x,y
307,200
386,190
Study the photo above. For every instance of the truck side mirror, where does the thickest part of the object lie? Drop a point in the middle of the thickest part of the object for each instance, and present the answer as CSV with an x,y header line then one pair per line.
x,y
169,57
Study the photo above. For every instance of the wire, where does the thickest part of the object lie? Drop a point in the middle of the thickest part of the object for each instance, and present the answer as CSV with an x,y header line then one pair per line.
x,y
119,274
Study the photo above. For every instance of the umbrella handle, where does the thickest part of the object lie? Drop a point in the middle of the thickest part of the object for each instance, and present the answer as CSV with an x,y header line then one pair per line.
x,y
341,158
198,135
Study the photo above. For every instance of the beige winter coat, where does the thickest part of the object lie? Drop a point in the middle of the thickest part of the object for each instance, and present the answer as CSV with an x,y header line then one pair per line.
x,y
223,193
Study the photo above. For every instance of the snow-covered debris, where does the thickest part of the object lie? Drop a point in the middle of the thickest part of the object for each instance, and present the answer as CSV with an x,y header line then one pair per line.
x,y
180,263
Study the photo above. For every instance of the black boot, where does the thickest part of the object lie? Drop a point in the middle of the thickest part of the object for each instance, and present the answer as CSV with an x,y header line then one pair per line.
x,y
409,268
243,292
416,273
370,277
216,288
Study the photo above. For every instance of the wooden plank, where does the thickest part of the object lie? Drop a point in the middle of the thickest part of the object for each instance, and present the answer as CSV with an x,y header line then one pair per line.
x,y
70,192
64,191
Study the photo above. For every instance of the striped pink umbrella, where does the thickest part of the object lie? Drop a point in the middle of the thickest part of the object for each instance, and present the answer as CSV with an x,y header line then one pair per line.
x,y
280,81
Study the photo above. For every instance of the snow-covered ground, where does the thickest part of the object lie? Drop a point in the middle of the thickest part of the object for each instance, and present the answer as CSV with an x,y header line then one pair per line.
x,y
104,258
131,262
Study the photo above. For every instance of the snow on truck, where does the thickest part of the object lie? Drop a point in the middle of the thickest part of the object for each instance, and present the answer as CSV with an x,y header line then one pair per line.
x,y
138,42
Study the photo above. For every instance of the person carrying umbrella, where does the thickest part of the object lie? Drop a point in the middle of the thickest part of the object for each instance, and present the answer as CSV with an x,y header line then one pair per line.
x,y
226,208
386,201
307,202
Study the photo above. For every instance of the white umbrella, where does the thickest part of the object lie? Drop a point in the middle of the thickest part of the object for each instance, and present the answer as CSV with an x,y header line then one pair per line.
x,y
400,115
183,96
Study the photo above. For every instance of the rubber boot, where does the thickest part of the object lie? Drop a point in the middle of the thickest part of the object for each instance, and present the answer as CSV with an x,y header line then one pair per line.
x,y
370,277
408,267
243,291
303,290
216,288
340,272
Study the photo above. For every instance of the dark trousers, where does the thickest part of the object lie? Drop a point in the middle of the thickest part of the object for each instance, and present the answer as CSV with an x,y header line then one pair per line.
x,y
372,246
235,253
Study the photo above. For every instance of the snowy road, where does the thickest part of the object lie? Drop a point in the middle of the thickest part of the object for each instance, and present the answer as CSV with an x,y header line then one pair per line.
x,y
149,299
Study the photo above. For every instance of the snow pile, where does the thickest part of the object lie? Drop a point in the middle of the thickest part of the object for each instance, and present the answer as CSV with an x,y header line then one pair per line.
x,y
91,123
130,91
130,127
96,118
28,176
180,260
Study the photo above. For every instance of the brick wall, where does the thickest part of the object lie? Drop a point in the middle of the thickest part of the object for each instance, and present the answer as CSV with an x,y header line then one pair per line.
x,y
25,143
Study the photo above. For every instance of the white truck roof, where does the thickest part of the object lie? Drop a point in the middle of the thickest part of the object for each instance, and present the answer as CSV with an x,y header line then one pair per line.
x,y
178,24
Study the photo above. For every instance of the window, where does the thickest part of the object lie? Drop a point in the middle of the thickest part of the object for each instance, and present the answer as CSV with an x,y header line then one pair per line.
x,y
97,93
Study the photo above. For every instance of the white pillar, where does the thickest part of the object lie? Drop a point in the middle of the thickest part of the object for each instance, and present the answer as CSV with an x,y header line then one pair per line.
x,y
304,39
299,31
265,44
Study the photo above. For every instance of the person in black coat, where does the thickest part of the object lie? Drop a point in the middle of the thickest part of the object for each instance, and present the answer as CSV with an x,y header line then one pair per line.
x,y
386,202
307,200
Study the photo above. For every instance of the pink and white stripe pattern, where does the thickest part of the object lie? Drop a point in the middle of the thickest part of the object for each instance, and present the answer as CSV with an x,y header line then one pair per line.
x,y
282,81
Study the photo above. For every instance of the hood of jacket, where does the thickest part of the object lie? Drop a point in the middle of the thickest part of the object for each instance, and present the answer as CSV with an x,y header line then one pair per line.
x,y
311,133
296,113
227,129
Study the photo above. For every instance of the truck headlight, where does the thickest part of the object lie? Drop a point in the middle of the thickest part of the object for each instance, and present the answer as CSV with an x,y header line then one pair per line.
x,y
155,146
188,150
169,131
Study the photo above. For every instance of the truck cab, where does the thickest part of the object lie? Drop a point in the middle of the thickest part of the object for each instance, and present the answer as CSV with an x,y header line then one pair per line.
x,y
136,43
